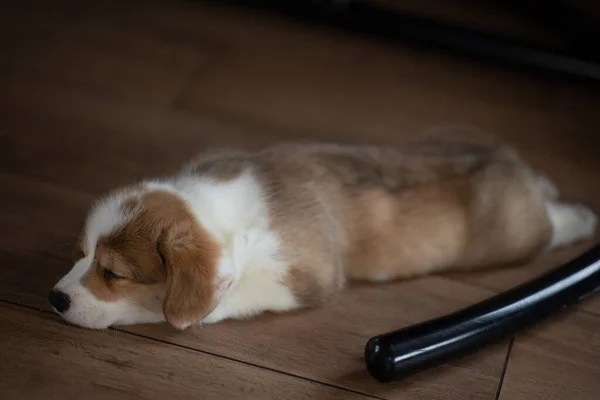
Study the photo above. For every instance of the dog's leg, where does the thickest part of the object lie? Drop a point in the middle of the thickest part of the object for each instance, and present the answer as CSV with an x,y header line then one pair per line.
x,y
571,223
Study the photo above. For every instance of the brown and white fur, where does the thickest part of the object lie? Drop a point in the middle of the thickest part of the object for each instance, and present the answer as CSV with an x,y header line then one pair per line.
x,y
237,233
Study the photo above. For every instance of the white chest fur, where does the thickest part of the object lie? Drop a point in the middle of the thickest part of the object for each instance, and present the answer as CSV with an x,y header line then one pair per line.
x,y
237,215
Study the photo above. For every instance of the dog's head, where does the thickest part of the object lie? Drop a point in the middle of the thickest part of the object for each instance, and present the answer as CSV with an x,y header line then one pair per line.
x,y
141,257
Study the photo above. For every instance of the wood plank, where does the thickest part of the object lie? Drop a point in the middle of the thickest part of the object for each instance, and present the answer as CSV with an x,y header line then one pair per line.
x,y
327,344
557,361
323,344
85,137
310,60
49,360
384,95
340,85
38,222
120,60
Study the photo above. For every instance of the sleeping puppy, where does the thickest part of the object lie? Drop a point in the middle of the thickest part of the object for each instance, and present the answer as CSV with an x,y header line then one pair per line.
x,y
236,233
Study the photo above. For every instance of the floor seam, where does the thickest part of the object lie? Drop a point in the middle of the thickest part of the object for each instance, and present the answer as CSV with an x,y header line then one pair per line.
x,y
504,368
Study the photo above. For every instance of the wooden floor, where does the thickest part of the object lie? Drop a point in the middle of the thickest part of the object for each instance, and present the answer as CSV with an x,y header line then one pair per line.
x,y
95,96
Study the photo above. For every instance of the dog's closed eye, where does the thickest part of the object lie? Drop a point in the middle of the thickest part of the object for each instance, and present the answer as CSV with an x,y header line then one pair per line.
x,y
110,275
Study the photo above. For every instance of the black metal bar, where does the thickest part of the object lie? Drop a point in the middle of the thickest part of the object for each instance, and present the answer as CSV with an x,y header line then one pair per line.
x,y
368,19
578,28
397,354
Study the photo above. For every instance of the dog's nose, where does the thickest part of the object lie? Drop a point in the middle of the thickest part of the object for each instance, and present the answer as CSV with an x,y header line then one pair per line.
x,y
59,300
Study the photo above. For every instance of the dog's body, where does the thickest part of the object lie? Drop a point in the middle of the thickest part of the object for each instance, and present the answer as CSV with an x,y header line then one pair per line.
x,y
235,233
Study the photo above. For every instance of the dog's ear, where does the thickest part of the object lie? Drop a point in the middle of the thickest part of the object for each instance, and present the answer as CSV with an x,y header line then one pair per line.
x,y
190,256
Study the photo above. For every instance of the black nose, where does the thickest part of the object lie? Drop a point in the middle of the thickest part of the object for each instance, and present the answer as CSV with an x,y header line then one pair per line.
x,y
59,300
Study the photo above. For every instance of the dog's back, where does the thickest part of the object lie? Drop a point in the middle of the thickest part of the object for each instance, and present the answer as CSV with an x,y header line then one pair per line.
x,y
379,213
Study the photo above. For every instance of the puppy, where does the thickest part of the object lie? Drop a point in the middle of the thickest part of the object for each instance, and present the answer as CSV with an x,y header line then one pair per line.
x,y
236,233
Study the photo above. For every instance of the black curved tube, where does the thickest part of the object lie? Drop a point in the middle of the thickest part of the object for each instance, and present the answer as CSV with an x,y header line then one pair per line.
x,y
367,18
397,354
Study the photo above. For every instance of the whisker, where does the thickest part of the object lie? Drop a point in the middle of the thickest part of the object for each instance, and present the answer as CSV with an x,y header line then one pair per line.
x,y
66,244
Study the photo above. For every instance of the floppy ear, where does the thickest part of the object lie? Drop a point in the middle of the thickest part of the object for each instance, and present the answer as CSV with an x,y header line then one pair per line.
x,y
190,256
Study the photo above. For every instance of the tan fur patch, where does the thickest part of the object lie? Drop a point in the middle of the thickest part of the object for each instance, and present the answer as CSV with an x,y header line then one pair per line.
x,y
377,213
